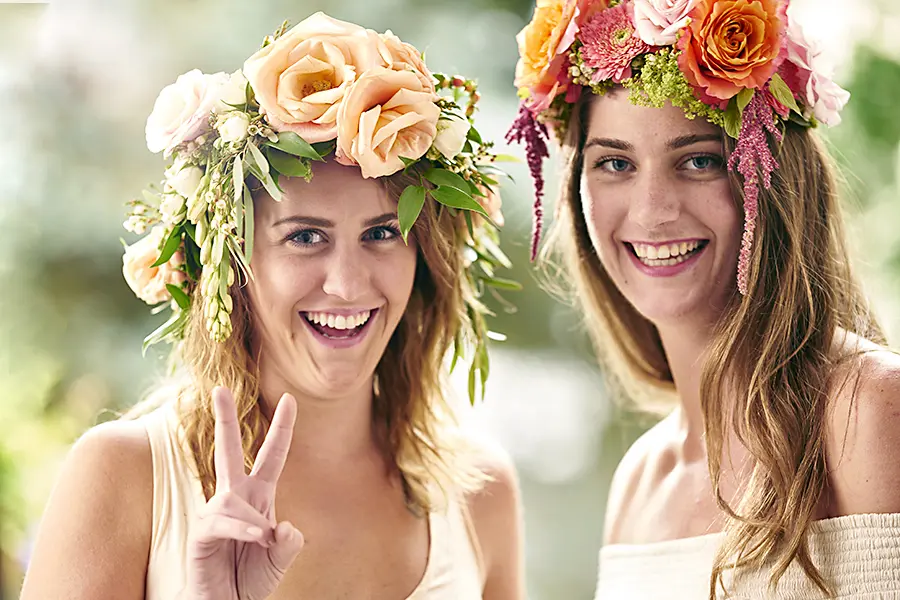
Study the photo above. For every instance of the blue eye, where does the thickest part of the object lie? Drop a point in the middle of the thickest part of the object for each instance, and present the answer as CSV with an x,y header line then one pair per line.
x,y
381,234
703,162
616,165
306,237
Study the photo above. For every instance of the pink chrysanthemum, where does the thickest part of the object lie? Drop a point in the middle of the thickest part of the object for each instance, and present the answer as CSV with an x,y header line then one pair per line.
x,y
610,43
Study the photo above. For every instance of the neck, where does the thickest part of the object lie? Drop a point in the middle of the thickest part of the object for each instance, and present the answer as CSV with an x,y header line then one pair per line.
x,y
685,345
328,431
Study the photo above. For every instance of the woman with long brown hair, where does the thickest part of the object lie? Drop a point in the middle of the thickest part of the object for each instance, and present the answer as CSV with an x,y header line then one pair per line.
x,y
313,242
700,226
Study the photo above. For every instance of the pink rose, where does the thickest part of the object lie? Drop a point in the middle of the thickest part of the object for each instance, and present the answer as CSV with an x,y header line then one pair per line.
x,y
805,74
149,283
386,114
300,80
657,21
182,109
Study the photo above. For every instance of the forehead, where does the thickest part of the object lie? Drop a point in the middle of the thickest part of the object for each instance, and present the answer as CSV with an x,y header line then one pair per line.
x,y
335,192
614,116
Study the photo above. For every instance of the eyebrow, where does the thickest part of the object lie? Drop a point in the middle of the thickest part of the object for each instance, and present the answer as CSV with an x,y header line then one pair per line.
x,y
325,223
673,144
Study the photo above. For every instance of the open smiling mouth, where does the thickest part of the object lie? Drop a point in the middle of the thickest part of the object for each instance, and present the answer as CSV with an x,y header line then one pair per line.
x,y
667,255
339,327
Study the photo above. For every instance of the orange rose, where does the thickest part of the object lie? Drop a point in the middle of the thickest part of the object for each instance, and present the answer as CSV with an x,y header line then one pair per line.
x,y
386,114
543,42
301,78
732,44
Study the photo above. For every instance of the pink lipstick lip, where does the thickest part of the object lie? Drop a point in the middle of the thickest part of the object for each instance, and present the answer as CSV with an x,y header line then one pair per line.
x,y
667,270
345,342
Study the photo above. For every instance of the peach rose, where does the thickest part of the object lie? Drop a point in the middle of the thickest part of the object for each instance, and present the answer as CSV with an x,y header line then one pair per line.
x,y
401,56
149,283
730,45
543,43
386,114
301,78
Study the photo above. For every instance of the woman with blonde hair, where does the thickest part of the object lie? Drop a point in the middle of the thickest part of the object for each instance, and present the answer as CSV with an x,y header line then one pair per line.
x,y
686,130
314,241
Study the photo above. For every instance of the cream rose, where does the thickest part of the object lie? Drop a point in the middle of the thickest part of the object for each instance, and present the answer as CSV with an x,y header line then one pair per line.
x,y
233,92
302,77
657,21
183,178
385,115
451,136
234,127
182,109
149,283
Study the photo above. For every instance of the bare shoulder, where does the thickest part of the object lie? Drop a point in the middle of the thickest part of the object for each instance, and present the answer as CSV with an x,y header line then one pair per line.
x,y
629,474
496,511
94,537
863,440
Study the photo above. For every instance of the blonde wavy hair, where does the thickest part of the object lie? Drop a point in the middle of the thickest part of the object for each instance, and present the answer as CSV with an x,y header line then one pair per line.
x,y
410,405
772,353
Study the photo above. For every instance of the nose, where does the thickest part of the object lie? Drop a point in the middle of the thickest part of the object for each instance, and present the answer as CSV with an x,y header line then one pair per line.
x,y
347,275
655,201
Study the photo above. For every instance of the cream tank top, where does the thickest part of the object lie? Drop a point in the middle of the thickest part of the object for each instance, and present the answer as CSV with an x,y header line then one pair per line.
x,y
452,571
858,554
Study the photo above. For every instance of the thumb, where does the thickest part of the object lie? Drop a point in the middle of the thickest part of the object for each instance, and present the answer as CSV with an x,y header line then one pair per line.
x,y
288,543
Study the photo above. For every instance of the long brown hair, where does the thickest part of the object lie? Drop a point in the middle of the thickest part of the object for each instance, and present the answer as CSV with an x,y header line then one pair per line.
x,y
772,354
410,406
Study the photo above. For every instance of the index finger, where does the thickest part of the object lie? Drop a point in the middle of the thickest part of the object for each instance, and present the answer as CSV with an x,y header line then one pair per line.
x,y
229,452
274,450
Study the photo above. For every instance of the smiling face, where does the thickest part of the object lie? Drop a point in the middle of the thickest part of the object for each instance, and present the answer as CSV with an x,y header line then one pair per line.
x,y
332,280
659,209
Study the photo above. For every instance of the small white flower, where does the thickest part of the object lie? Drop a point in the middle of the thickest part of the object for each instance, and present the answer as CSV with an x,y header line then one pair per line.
x,y
234,127
451,136
172,208
184,178
234,92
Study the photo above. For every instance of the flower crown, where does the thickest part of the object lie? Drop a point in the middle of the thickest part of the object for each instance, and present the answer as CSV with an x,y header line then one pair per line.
x,y
323,87
740,64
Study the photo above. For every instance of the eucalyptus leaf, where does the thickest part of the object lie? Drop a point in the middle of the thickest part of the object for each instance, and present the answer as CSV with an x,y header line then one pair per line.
x,y
248,224
454,198
290,142
325,148
474,136
783,93
407,162
237,176
444,177
258,157
169,248
408,208
733,119
181,299
503,284
743,98
507,158
287,164
150,197
175,323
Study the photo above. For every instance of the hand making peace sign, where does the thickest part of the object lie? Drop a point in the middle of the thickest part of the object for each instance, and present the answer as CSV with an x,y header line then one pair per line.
x,y
237,549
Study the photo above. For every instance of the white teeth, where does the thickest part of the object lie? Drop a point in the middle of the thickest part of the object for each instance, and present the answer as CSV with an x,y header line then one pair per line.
x,y
665,254
665,251
339,321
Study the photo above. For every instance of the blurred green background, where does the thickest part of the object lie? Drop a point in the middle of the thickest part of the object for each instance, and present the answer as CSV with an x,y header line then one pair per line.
x,y
77,80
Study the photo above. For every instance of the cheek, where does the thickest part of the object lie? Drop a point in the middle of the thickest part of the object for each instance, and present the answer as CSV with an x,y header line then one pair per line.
x,y
279,284
602,213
